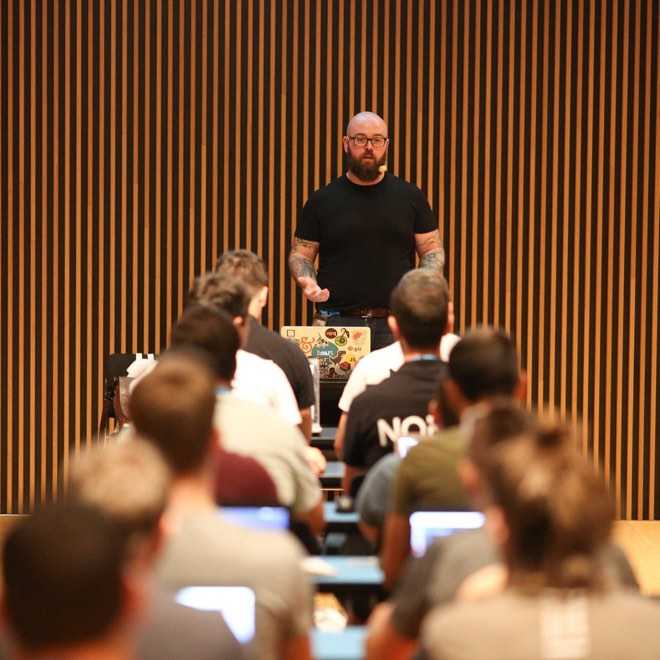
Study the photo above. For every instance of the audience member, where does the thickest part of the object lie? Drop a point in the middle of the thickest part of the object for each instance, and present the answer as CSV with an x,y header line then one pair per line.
x,y
129,483
399,405
67,595
378,365
251,271
255,379
247,428
437,578
550,516
174,407
482,366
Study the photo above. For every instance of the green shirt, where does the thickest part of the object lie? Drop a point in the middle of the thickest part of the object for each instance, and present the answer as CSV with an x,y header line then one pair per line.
x,y
428,476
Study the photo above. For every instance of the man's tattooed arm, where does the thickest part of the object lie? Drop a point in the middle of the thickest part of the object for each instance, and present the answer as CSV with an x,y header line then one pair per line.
x,y
301,258
430,251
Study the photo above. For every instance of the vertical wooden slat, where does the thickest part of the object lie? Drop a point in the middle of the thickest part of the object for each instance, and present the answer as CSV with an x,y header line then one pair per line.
x,y
577,310
622,179
158,178
181,211
397,86
475,282
204,266
499,175
148,287
113,175
215,175
237,96
271,159
509,180
587,240
225,147
291,315
453,219
169,231
45,431
554,216
134,192
433,34
341,120
609,391
317,90
248,132
32,351
531,244
464,171
190,228
485,289
123,281
545,57
408,94
282,147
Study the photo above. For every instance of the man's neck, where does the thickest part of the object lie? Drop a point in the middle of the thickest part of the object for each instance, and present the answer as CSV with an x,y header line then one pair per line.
x,y
353,178
190,494
410,354
254,309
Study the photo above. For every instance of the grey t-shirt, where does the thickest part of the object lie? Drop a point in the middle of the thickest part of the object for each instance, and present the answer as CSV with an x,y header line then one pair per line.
x,y
512,626
434,579
249,429
374,499
207,550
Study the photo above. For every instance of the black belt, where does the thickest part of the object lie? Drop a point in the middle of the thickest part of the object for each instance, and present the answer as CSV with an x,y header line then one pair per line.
x,y
368,312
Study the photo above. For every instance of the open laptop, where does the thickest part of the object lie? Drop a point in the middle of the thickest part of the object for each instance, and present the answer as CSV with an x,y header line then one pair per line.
x,y
426,526
237,605
337,348
270,518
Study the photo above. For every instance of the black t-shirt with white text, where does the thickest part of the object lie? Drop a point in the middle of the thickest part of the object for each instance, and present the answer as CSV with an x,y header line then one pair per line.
x,y
287,356
366,236
397,406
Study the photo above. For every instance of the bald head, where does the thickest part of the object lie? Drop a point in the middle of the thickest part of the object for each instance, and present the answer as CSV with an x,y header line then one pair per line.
x,y
366,122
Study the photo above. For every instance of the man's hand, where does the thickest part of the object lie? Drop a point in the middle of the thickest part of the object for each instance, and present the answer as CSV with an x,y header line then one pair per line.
x,y
312,291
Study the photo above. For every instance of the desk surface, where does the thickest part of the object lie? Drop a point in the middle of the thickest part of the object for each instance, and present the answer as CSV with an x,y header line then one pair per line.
x,y
345,645
337,518
351,571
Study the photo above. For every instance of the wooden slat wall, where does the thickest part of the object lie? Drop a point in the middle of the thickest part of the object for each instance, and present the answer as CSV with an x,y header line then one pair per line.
x,y
138,140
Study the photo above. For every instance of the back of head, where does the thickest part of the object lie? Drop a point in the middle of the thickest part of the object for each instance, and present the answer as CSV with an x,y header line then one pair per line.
x,y
244,266
484,364
222,291
557,510
419,303
173,407
127,482
62,571
205,328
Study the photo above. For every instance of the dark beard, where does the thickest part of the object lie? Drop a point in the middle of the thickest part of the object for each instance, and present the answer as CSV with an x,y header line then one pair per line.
x,y
365,172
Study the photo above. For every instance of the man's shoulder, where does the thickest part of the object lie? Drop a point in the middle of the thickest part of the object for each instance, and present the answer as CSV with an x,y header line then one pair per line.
x,y
328,190
234,409
401,185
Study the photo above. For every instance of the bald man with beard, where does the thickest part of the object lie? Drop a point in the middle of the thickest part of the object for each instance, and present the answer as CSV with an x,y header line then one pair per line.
x,y
365,227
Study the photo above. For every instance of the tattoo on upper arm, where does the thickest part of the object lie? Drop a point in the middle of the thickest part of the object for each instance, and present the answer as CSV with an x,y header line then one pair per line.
x,y
303,242
434,260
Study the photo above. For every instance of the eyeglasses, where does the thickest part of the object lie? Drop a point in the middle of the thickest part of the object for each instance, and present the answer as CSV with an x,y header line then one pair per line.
x,y
377,141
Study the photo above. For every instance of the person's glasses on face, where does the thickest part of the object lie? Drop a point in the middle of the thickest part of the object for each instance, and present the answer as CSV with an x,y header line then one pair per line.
x,y
360,140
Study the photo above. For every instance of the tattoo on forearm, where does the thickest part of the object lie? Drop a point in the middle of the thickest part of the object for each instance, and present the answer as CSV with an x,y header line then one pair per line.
x,y
434,260
301,267
303,242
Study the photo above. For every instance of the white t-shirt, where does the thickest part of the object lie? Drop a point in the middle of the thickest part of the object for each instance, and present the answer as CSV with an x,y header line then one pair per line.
x,y
263,382
378,365
257,380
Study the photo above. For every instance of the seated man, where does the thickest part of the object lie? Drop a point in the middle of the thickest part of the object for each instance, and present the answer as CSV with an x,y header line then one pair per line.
x,y
174,407
249,269
249,429
482,367
550,516
129,483
399,405
438,577
255,379
378,365
67,595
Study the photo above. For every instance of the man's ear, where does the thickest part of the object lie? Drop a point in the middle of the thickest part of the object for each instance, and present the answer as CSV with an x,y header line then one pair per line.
x,y
520,390
455,398
469,476
450,318
344,142
496,525
242,328
394,327
262,296
134,596
434,411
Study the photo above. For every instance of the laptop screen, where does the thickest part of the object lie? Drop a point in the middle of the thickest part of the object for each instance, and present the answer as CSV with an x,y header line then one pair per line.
x,y
426,526
237,605
258,517
404,444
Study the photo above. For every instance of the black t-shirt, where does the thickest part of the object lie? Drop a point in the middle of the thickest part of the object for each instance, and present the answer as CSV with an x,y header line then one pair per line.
x,y
397,406
287,356
366,236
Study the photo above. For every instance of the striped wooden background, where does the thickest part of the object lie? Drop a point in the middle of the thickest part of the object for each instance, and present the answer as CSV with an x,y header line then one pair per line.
x,y
141,139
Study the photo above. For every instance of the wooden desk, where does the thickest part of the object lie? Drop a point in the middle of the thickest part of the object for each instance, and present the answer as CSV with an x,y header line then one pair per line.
x,y
334,473
640,540
336,521
351,574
